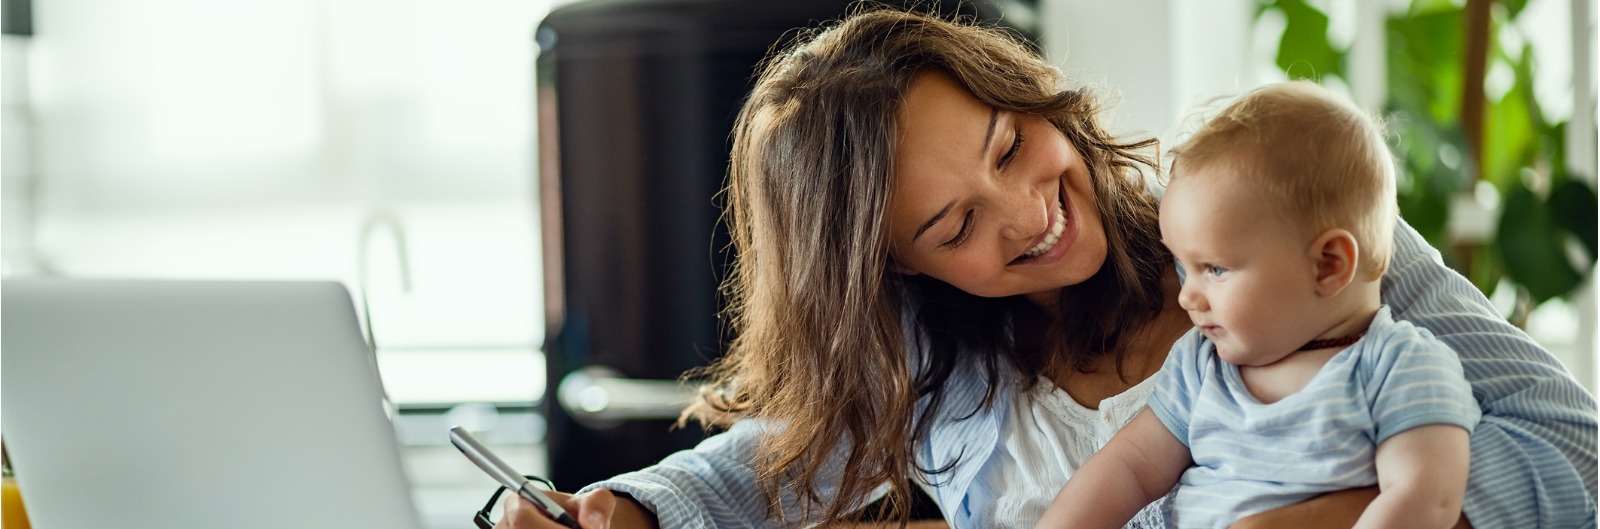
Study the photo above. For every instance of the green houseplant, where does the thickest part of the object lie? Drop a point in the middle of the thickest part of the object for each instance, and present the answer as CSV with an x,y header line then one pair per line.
x,y
1449,134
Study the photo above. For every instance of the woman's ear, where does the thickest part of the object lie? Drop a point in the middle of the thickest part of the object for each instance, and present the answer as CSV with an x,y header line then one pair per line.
x,y
1335,253
896,267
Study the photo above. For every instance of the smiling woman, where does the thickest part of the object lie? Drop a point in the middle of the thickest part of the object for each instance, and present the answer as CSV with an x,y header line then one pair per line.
x,y
1009,217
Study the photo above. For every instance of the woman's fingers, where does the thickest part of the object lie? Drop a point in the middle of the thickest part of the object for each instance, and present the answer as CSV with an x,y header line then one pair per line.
x,y
592,510
516,513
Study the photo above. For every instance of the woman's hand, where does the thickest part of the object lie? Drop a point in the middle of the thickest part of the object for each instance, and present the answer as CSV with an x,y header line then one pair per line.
x,y
1334,510
598,509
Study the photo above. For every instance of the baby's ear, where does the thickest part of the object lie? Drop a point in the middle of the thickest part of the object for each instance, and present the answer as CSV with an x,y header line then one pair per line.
x,y
1335,253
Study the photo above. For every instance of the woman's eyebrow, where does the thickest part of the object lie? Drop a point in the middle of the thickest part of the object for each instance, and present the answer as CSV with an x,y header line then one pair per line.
x,y
988,136
934,220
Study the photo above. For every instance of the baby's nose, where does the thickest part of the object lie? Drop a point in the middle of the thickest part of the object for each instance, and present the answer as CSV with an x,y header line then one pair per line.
x,y
1189,298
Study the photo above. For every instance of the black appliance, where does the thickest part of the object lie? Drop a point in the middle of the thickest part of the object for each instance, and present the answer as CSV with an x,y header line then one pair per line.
x,y
636,102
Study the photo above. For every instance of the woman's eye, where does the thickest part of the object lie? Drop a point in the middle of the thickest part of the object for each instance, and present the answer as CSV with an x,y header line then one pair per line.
x,y
1016,145
961,235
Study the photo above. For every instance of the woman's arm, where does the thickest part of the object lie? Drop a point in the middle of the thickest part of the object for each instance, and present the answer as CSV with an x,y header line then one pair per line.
x,y
712,485
1533,453
1334,510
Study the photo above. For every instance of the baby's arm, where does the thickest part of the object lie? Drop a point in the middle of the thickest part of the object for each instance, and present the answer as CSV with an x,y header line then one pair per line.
x,y
1140,464
1422,476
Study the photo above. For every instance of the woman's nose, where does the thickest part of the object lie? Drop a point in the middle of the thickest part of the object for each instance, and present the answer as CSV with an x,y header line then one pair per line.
x,y
1026,216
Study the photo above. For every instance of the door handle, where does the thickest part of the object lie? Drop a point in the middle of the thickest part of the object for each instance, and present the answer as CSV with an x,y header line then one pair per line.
x,y
599,397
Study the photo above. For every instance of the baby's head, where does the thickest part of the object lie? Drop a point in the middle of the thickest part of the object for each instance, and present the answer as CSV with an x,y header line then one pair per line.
x,y
1281,210
1314,161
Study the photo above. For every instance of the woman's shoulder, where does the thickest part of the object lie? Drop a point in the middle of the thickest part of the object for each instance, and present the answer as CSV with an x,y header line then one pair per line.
x,y
1391,342
1389,330
1421,290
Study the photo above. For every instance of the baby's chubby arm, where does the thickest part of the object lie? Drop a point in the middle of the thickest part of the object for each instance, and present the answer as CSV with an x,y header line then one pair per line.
x,y
1422,476
1140,464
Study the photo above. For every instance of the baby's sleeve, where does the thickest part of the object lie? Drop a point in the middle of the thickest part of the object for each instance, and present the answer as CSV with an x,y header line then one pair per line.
x,y
1177,385
1416,380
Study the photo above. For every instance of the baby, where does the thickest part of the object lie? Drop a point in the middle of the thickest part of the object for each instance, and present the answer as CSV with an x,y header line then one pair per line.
x,y
1296,380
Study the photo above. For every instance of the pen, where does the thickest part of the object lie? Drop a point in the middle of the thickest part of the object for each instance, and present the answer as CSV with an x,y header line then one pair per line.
x,y
508,476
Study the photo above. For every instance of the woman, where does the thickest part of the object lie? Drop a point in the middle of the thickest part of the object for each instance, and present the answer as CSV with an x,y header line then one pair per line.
x,y
949,273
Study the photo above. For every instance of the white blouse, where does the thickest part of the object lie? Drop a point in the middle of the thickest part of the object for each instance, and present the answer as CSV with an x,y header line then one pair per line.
x,y
1047,436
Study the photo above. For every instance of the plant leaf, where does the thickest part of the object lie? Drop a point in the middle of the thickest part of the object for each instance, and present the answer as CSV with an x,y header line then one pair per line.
x,y
1487,268
1423,6
1574,207
1424,55
1531,246
1514,7
1304,51
1554,140
1429,213
1508,135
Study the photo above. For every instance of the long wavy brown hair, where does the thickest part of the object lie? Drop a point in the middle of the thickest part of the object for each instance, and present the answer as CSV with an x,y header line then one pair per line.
x,y
817,314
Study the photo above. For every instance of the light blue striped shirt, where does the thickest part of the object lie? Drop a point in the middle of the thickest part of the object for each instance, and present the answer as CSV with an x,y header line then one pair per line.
x,y
1533,453
1251,457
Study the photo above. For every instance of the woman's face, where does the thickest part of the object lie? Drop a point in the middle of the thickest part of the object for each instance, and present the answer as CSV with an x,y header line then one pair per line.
x,y
995,203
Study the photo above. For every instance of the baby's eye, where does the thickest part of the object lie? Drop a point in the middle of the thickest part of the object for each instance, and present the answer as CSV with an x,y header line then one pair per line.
x,y
1215,271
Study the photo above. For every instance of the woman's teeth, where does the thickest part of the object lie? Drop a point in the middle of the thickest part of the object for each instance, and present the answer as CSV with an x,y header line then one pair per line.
x,y
1057,226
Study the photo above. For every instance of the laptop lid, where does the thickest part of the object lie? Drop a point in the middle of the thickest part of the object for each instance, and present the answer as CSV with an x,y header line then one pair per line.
x,y
195,404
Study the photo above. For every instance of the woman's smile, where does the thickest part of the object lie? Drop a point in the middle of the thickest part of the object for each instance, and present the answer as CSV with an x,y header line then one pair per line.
x,y
1055,241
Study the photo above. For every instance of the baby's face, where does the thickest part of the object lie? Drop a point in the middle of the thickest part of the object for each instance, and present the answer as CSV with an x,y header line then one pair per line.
x,y
1250,284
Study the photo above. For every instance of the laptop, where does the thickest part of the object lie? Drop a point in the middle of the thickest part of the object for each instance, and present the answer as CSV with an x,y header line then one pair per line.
x,y
195,405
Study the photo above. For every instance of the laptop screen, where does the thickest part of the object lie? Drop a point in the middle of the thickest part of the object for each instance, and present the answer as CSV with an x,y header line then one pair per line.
x,y
195,404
